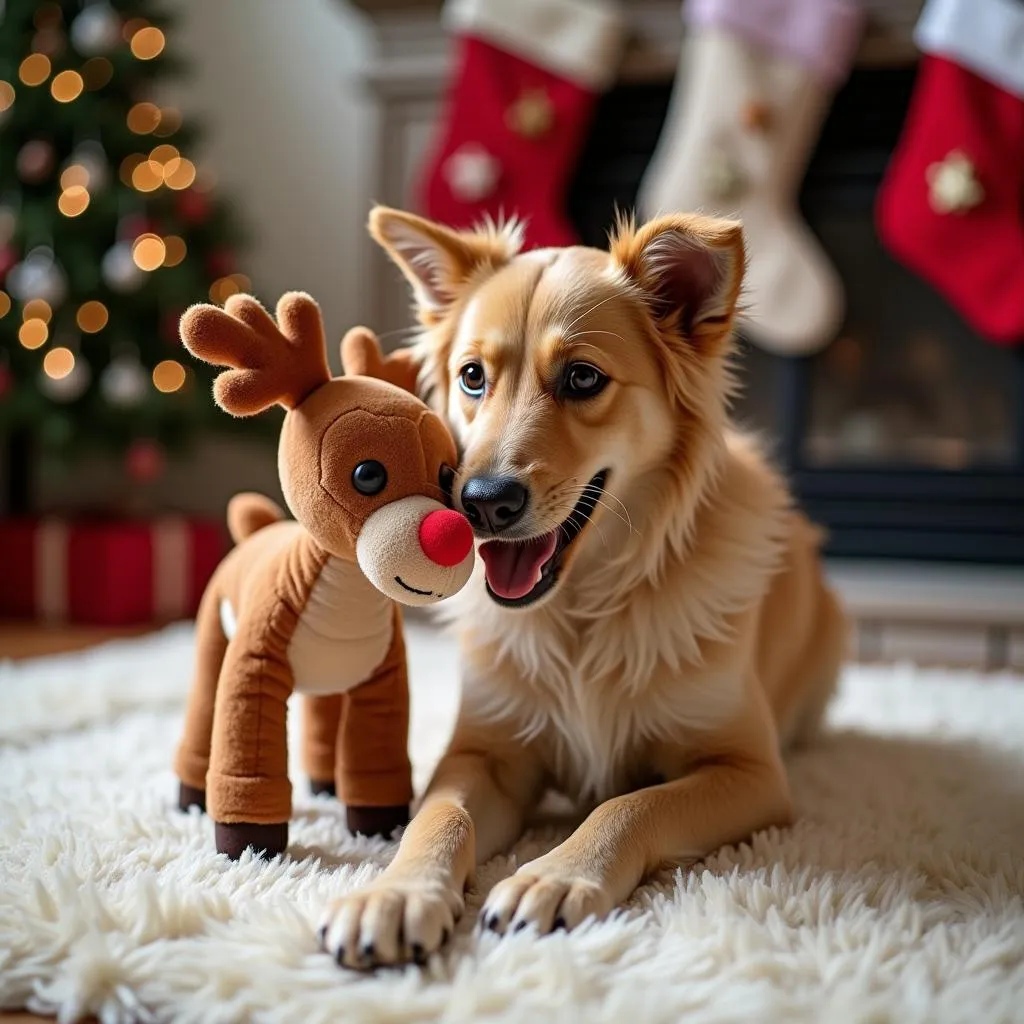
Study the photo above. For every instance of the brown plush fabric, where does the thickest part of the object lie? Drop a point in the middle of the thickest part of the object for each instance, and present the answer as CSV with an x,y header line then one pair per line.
x,y
234,747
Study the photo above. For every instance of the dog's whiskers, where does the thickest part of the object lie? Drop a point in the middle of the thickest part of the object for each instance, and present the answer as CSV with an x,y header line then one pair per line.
x,y
586,312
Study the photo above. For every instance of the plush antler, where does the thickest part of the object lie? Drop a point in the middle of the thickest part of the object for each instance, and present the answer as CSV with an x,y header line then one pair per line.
x,y
270,363
361,354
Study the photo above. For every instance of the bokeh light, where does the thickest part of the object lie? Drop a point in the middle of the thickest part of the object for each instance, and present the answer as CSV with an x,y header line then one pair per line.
x,y
48,15
37,309
164,153
128,165
34,69
224,287
96,72
73,201
143,118
67,86
33,333
131,26
75,174
58,363
168,376
147,176
170,122
179,173
6,95
148,43
5,304
92,316
149,252
176,250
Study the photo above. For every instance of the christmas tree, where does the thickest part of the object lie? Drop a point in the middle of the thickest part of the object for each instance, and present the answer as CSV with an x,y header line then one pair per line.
x,y
108,230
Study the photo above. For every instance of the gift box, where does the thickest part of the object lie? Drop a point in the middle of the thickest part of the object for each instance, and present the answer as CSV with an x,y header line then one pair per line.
x,y
107,572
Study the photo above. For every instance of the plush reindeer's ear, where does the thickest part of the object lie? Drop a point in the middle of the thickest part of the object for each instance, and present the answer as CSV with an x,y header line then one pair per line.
x,y
437,261
270,363
361,354
690,269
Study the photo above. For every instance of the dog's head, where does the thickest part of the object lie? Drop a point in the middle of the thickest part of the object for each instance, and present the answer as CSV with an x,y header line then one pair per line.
x,y
576,381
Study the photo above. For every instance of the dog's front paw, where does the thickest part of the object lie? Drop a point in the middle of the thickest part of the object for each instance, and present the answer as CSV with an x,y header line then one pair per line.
x,y
547,893
391,921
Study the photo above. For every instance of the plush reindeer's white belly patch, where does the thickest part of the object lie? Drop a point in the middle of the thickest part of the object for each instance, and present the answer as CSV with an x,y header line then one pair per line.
x,y
344,613
344,632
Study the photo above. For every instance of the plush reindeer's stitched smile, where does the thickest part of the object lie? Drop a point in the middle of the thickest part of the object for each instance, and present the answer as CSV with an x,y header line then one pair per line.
x,y
520,572
413,590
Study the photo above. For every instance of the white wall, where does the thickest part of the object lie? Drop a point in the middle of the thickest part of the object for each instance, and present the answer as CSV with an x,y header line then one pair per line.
x,y
274,82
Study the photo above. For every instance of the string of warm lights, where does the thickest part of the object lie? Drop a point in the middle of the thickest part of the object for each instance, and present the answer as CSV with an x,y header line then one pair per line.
x,y
162,167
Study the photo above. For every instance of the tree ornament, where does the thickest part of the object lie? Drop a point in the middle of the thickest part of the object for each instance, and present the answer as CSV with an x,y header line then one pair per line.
x,y
145,460
120,271
93,157
35,161
69,387
96,31
38,276
193,206
472,173
124,382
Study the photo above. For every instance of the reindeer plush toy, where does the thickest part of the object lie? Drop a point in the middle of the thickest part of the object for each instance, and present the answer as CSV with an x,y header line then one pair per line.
x,y
309,605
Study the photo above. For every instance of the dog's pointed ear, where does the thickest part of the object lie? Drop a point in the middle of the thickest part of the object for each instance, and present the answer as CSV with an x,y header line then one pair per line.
x,y
361,354
689,268
437,261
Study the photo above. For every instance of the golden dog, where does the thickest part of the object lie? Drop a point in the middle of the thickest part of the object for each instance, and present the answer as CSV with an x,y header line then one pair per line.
x,y
648,627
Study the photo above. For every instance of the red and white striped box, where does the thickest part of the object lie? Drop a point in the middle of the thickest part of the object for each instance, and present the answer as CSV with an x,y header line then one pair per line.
x,y
107,572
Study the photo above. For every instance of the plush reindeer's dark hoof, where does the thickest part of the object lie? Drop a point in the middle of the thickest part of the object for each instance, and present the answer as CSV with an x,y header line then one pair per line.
x,y
266,840
376,821
189,796
319,788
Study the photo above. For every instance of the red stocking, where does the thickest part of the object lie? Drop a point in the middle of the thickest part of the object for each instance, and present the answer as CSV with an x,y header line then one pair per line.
x,y
952,204
527,75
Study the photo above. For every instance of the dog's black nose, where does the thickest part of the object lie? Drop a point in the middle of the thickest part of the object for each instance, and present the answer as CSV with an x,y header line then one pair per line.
x,y
494,503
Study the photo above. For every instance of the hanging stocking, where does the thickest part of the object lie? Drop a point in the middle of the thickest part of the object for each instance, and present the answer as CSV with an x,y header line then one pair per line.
x,y
755,81
951,206
527,75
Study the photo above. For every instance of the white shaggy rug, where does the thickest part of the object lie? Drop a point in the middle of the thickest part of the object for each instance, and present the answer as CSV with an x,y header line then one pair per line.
x,y
897,897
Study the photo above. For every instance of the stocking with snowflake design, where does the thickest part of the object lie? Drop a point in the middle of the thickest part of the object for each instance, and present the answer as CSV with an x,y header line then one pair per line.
x,y
951,206
518,108
755,81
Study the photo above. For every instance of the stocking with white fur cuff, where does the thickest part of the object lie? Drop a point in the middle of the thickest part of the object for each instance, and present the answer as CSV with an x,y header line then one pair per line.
x,y
754,84
527,76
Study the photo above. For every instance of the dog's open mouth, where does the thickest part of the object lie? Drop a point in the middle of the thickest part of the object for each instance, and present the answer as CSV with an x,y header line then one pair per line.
x,y
520,572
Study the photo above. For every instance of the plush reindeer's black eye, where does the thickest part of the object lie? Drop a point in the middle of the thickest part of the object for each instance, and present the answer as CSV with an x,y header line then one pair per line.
x,y
446,479
369,477
581,380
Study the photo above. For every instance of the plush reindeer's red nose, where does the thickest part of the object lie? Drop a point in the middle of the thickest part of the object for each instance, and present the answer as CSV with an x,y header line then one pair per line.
x,y
446,537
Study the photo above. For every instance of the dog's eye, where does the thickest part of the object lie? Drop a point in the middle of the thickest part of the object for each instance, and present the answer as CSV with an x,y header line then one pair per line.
x,y
446,479
471,380
581,380
369,478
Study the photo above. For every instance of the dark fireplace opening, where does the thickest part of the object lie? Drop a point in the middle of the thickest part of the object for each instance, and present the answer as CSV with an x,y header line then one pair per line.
x,y
905,437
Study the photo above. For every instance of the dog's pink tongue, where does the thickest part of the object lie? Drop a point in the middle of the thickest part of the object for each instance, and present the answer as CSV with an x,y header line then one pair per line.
x,y
513,567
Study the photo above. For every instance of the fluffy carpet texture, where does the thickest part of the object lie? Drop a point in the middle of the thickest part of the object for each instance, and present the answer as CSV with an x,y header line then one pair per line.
x,y
897,896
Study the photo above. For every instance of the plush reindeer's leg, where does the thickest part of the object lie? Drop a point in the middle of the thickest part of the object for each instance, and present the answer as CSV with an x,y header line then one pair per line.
x,y
321,722
193,756
248,792
374,775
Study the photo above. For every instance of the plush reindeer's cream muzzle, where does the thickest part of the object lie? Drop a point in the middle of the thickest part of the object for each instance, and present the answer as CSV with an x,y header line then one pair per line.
x,y
416,551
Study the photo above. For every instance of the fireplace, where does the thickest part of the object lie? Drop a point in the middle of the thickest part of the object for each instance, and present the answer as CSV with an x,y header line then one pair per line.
x,y
905,437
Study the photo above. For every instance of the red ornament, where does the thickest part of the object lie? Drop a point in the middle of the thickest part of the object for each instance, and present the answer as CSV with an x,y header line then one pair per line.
x,y
221,262
193,207
131,227
145,461
8,257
